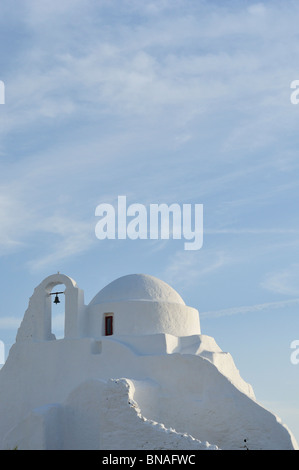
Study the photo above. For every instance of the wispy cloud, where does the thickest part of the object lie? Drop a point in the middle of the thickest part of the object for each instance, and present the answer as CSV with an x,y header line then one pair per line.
x,y
72,237
57,235
9,323
285,281
252,231
158,76
186,268
250,308
13,218
144,69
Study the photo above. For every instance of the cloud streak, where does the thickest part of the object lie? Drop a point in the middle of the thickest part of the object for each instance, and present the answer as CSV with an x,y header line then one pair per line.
x,y
9,323
250,309
186,268
285,282
111,100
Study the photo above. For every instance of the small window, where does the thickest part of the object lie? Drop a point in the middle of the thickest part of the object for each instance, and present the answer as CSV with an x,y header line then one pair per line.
x,y
108,325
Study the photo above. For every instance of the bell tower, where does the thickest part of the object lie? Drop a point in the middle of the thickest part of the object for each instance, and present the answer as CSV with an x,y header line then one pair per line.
x,y
37,322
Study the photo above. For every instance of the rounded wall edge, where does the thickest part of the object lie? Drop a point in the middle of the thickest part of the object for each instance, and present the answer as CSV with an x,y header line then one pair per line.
x,y
144,318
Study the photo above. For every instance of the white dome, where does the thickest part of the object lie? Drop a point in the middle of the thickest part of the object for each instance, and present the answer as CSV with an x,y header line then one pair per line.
x,y
137,287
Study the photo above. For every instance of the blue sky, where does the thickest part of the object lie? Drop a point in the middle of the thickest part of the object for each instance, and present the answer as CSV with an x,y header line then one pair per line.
x,y
162,101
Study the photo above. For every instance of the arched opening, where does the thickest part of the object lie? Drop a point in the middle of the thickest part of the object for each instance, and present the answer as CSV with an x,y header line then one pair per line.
x,y
58,311
45,320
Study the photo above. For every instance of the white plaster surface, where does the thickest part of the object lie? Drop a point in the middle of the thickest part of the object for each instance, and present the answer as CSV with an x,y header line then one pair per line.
x,y
150,389
137,287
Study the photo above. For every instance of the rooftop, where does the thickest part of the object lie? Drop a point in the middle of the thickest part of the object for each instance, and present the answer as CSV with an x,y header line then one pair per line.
x,y
137,287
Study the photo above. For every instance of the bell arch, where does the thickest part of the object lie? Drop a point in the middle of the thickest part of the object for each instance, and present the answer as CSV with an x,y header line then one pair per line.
x,y
37,322
58,311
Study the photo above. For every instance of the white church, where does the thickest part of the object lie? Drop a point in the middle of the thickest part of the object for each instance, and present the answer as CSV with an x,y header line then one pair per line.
x,y
133,371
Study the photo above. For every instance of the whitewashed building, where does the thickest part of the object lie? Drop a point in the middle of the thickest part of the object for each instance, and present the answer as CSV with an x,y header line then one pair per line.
x,y
133,371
